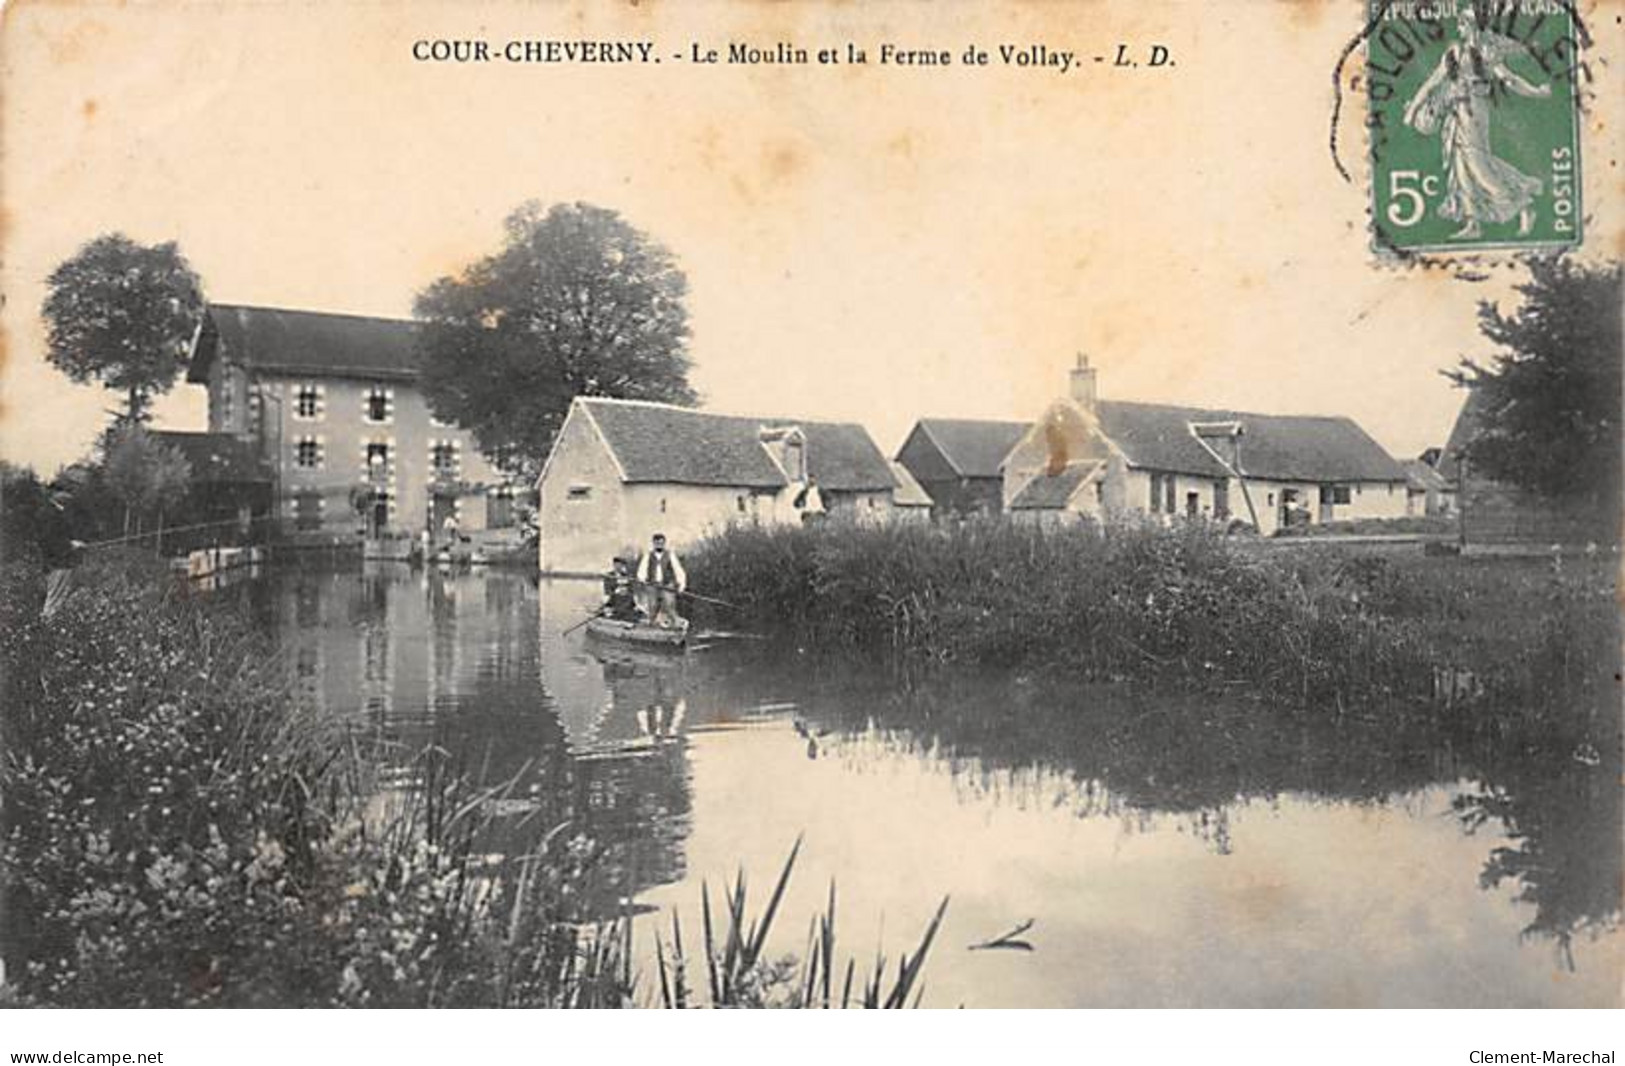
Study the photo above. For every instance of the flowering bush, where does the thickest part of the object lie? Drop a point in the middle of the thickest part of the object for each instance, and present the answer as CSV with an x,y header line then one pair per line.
x,y
179,831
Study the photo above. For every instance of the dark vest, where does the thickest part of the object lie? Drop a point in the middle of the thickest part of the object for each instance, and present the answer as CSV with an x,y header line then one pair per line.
x,y
660,571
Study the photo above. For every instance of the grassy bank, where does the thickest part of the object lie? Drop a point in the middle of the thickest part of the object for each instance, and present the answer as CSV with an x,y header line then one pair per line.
x,y
180,830
1316,626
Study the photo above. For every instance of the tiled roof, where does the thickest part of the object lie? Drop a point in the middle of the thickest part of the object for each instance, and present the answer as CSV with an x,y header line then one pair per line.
x,y
1423,477
908,492
1289,447
974,447
659,443
313,343
217,456
1048,492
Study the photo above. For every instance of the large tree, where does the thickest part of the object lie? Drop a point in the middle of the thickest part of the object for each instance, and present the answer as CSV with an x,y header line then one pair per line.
x,y
1548,403
123,314
576,303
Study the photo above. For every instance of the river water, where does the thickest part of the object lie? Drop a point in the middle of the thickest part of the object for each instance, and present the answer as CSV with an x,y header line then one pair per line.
x,y
1168,850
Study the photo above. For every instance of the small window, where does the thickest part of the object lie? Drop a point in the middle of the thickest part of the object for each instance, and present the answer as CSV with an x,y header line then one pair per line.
x,y
308,453
662,505
378,405
443,459
307,402
377,459
580,492
1269,500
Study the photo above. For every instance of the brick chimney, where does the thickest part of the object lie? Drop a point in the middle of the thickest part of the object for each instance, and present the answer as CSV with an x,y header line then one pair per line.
x,y
1082,390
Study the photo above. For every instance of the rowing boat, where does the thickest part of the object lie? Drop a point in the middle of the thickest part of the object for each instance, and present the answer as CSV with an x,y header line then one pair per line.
x,y
639,632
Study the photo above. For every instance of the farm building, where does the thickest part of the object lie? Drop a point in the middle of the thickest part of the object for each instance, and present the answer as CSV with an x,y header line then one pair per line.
x,y
622,470
910,501
957,462
1086,457
1497,516
1427,491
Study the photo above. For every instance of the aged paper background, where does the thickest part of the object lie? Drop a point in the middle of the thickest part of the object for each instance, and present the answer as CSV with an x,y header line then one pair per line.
x,y
875,243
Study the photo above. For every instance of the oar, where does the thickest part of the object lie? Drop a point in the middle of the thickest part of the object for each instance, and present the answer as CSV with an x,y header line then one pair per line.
x,y
579,624
691,595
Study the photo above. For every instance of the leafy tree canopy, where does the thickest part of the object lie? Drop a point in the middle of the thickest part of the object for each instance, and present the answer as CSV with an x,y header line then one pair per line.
x,y
123,314
577,303
1548,404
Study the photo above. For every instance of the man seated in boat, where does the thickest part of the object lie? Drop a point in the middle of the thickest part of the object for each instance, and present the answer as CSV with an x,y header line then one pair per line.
x,y
620,602
660,579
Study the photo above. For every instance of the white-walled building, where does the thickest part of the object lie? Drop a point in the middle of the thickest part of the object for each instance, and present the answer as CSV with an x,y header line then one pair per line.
x,y
622,470
1100,458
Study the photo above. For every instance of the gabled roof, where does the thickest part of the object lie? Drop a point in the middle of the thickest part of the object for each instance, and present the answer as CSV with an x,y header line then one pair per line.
x,y
1050,492
908,492
1289,447
309,343
217,456
1422,477
973,447
656,442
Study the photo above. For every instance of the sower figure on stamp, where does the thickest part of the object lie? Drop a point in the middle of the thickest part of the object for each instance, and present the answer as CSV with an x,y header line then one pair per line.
x,y
660,579
1457,101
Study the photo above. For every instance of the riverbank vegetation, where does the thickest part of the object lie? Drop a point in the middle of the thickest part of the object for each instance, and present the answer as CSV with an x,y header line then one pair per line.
x,y
179,829
1316,626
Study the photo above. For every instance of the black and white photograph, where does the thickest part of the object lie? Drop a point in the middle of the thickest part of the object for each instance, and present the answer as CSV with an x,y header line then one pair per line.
x,y
810,505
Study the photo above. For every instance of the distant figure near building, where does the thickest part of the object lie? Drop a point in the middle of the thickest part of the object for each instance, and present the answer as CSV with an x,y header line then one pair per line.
x,y
810,502
660,578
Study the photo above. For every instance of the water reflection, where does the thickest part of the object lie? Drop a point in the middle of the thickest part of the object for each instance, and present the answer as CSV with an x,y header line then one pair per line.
x,y
1172,849
1563,849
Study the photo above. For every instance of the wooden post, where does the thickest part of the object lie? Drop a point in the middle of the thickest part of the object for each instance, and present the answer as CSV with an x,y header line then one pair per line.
x,y
1461,504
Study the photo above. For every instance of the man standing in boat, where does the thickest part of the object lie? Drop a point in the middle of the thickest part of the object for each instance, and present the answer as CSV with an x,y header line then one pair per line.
x,y
660,579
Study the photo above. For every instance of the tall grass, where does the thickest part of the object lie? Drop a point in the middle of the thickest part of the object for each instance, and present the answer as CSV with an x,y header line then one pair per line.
x,y
1313,626
738,973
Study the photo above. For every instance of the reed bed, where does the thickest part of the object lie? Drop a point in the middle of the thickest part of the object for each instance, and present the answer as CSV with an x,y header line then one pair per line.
x,y
1314,626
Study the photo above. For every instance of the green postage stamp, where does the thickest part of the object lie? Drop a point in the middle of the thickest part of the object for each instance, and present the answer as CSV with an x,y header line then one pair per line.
x,y
1474,124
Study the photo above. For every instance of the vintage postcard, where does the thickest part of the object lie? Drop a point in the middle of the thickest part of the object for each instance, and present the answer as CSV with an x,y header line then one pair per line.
x,y
739,504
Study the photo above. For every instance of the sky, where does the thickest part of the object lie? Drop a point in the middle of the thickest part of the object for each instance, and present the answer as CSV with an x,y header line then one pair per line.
x,y
871,243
